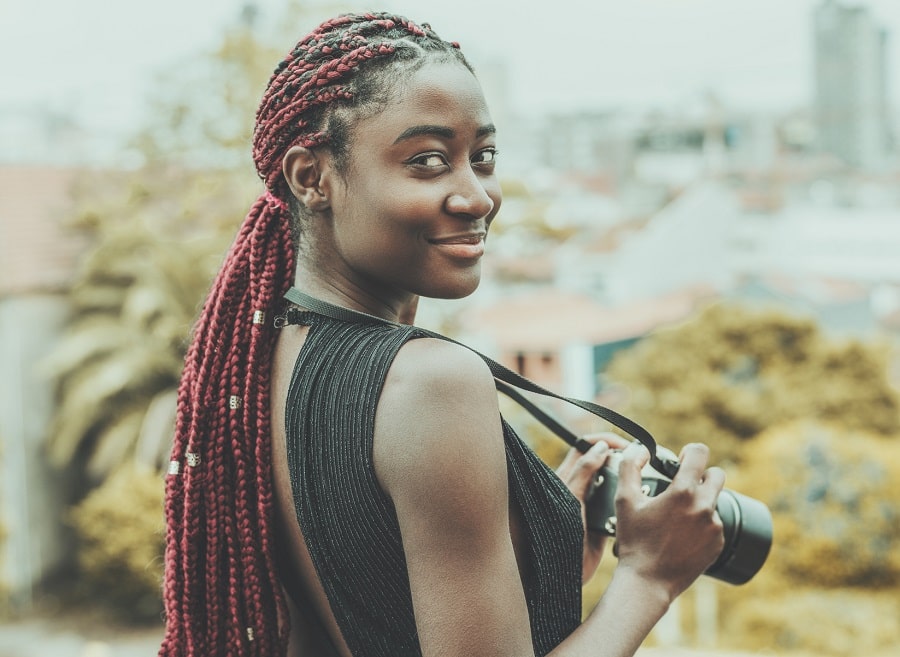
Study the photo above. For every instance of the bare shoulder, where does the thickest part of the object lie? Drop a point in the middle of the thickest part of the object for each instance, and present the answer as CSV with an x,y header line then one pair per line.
x,y
427,362
440,456
438,421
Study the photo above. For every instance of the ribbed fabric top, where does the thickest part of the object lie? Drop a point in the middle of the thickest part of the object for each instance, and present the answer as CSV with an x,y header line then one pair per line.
x,y
350,524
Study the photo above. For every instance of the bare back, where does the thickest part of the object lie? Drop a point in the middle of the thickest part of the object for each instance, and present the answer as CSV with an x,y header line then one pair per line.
x,y
429,392
309,636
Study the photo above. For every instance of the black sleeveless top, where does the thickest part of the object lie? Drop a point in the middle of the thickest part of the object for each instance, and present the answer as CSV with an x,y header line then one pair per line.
x,y
349,523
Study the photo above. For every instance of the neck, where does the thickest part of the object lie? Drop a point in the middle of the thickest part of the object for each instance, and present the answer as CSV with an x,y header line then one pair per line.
x,y
340,292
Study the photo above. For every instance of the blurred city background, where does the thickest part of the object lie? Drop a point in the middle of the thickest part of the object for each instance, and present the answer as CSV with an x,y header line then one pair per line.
x,y
701,229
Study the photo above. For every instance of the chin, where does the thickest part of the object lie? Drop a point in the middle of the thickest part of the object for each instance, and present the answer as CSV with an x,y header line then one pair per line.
x,y
459,290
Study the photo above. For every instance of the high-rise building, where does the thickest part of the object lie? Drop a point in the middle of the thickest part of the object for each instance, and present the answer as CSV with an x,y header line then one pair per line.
x,y
851,95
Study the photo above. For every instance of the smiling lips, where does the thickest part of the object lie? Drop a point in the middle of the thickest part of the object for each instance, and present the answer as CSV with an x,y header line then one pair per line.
x,y
468,246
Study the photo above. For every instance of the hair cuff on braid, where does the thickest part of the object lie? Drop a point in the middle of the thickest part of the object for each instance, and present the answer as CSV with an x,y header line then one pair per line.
x,y
274,201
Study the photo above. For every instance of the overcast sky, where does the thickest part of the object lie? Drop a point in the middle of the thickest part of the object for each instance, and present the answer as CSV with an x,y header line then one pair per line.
x,y
96,57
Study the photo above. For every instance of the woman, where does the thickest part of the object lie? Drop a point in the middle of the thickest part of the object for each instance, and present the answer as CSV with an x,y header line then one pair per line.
x,y
347,486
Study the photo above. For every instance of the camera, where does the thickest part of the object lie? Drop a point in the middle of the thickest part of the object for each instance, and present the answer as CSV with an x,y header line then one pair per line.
x,y
746,521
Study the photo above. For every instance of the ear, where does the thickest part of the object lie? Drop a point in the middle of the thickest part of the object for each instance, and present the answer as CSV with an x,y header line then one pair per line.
x,y
303,174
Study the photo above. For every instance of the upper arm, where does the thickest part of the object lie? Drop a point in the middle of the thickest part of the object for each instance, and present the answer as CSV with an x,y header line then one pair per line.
x,y
439,454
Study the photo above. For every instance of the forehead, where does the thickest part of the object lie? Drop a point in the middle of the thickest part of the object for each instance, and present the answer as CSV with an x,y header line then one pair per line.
x,y
444,94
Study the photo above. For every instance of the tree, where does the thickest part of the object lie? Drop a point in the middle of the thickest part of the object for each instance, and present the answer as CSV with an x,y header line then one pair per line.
x,y
732,372
159,232
833,568
810,424
832,493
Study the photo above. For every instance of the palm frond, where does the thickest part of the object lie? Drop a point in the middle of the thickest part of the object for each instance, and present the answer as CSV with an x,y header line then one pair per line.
x,y
115,443
84,342
155,438
95,393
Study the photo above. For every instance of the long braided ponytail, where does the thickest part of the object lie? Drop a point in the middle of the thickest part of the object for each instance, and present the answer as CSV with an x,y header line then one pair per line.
x,y
222,594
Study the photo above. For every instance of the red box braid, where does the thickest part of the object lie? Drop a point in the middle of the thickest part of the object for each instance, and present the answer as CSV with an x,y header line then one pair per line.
x,y
222,594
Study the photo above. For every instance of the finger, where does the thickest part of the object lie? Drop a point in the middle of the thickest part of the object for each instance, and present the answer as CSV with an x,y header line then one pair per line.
x,y
714,477
614,440
634,458
568,463
585,469
693,459
712,484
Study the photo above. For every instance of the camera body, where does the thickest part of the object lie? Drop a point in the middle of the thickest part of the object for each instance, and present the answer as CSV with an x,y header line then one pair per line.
x,y
747,522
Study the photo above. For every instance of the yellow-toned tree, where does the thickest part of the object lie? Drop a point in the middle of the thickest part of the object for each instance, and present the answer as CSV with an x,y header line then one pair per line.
x,y
832,583
731,372
809,425
158,230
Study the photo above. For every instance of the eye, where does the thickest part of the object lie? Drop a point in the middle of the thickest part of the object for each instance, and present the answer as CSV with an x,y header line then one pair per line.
x,y
428,161
486,157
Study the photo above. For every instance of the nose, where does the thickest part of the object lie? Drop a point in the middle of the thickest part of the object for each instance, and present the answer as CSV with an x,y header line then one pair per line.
x,y
470,196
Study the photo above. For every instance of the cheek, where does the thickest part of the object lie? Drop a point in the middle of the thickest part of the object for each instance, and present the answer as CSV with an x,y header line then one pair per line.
x,y
389,223
387,237
398,203
495,193
409,217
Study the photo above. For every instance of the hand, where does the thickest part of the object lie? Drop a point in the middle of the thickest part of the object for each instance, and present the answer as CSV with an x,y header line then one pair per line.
x,y
577,471
673,537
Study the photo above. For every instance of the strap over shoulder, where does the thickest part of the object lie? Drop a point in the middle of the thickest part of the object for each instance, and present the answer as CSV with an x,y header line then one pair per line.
x,y
507,382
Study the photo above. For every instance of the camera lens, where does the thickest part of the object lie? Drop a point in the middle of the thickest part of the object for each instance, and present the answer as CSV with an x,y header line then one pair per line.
x,y
747,526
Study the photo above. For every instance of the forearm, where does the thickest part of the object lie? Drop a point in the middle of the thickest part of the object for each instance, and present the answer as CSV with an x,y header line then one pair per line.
x,y
622,619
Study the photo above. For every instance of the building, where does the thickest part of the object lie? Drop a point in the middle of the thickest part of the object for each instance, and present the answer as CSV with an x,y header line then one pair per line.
x,y
37,261
563,340
851,90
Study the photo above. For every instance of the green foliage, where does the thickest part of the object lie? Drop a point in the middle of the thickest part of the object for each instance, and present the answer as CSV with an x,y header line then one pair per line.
x,y
810,424
814,622
121,540
159,232
205,111
833,495
732,372
134,299
158,235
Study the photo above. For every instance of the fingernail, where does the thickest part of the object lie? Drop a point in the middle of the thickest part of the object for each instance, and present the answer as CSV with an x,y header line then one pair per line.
x,y
637,449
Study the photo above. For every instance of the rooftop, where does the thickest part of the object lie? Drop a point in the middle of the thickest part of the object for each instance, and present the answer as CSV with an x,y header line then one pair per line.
x,y
37,252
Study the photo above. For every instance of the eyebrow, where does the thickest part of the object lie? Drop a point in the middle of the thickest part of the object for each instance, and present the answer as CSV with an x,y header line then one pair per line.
x,y
440,131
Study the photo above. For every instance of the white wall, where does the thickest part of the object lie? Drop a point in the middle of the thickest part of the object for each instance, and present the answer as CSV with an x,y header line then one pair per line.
x,y
31,493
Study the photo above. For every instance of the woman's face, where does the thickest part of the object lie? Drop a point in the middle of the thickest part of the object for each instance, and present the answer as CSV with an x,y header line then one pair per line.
x,y
411,209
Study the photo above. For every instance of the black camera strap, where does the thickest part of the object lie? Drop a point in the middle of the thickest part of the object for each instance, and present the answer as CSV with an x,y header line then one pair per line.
x,y
507,381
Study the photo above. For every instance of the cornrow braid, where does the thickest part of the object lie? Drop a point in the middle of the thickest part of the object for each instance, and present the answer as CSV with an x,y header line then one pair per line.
x,y
341,64
222,595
